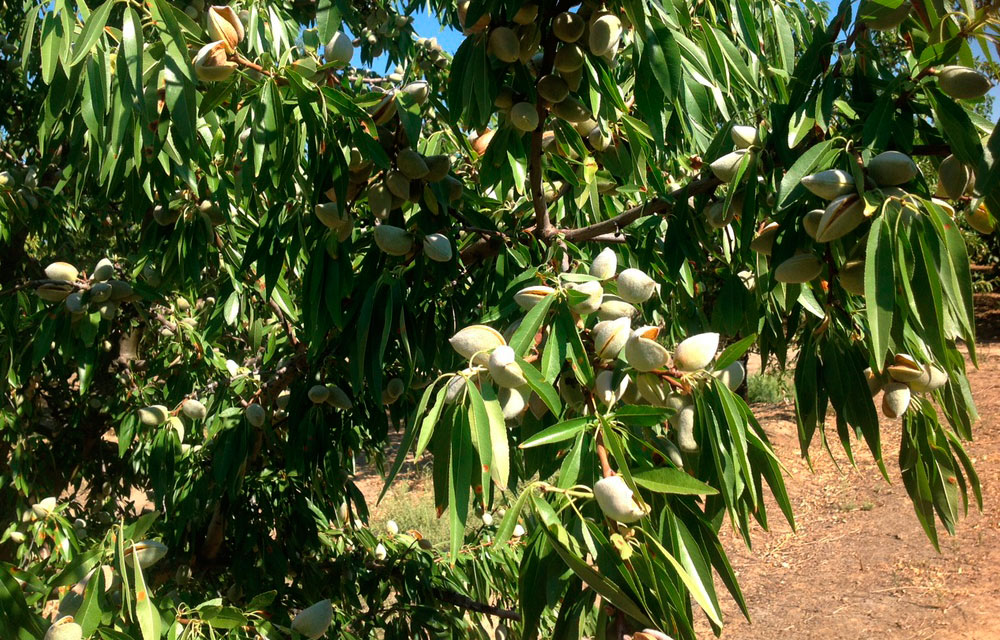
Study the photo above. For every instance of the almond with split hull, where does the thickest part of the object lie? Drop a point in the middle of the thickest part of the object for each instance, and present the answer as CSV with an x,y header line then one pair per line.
x,y
616,500
595,294
697,352
643,352
895,400
874,382
905,368
764,242
393,240
224,24
798,269
211,63
841,217
963,83
635,286
892,168
154,415
504,369
852,277
147,552
530,296
313,621
725,168
476,340
829,184
610,337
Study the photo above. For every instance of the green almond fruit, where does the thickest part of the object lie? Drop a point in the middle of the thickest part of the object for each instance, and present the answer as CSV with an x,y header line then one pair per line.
x,y
841,217
963,83
104,270
981,220
108,310
329,214
763,243
605,32
568,26
634,286
398,184
255,415
598,139
393,241
339,50
732,376
594,293
954,177
513,402
313,621
194,409
476,340
74,302
684,425
891,168
933,378
120,290
895,400
568,58
504,369
380,200
528,297
605,264
62,271
652,389
607,391
697,352
552,88
810,222
743,136
338,398
53,292
154,415
524,116
437,247
504,44
455,188
571,111
64,629
798,269
504,99
165,216
617,501
146,552
573,78
852,277
526,14
725,168
100,292
437,167
411,164
319,393
613,307
829,184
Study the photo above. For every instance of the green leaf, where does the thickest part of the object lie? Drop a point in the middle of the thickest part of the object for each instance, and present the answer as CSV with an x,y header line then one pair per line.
x,y
558,432
89,614
92,31
524,337
460,462
500,467
880,288
479,431
427,424
815,159
506,528
642,416
145,613
668,480
545,391
734,352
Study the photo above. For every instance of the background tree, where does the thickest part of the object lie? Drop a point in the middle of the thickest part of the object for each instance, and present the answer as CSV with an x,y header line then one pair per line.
x,y
232,261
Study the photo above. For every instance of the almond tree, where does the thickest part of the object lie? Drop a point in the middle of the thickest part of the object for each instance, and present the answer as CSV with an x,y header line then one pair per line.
x,y
236,255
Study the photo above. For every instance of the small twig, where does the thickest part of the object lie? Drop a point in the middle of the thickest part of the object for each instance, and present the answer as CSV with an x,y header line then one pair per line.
x,y
469,604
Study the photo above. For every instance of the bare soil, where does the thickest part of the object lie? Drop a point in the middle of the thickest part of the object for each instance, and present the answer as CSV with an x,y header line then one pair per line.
x,y
859,565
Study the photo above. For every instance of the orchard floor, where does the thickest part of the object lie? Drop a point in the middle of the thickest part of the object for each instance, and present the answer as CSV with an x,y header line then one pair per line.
x,y
859,565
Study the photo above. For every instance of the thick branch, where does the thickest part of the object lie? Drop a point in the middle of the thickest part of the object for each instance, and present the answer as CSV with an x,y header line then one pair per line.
x,y
469,604
702,184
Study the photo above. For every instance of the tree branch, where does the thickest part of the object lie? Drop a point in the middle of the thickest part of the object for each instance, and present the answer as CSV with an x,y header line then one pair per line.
x,y
703,184
469,604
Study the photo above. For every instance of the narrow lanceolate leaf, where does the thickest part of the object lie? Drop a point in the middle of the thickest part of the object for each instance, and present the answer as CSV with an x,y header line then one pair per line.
x,y
89,614
92,30
545,391
880,288
524,337
500,466
667,480
146,614
430,420
479,431
461,460
558,432
734,352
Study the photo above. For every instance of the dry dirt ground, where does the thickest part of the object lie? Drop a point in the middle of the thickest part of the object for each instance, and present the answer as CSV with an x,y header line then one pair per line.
x,y
859,565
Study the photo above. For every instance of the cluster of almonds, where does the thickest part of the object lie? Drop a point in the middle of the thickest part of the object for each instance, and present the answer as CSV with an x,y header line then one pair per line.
x,y
517,42
611,336
380,26
187,204
907,376
145,552
843,215
102,292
